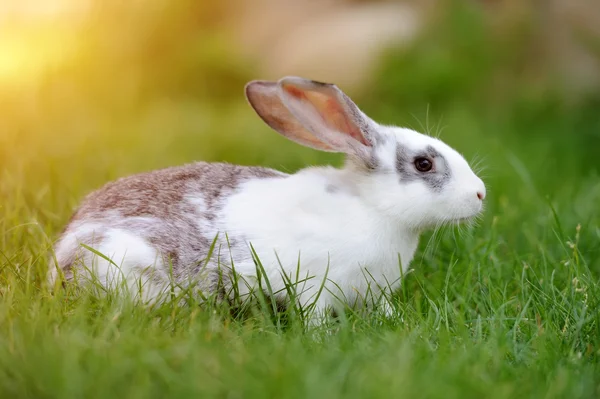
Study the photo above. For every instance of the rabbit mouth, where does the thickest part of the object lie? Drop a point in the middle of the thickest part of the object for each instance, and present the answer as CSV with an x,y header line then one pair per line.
x,y
462,219
456,220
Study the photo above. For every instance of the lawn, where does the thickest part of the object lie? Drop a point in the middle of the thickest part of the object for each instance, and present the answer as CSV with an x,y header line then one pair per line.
x,y
507,308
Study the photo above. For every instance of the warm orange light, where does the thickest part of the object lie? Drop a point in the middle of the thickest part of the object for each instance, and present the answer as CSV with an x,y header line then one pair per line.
x,y
36,36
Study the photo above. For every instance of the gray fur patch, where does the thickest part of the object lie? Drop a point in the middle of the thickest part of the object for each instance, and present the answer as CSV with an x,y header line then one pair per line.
x,y
368,161
158,193
331,188
159,207
436,179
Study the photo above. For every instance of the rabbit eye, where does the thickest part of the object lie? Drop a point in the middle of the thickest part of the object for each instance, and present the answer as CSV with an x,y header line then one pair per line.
x,y
423,164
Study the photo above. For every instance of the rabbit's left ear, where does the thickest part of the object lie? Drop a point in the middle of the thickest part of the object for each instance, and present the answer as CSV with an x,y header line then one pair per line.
x,y
330,115
266,100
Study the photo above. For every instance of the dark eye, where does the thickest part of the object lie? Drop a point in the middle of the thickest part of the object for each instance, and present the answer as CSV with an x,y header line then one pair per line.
x,y
423,164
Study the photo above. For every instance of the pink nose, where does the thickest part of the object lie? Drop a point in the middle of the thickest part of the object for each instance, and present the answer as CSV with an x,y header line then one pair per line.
x,y
480,195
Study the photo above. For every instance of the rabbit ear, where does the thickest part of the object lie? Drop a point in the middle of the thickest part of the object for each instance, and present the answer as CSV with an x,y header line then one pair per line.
x,y
264,97
314,114
328,113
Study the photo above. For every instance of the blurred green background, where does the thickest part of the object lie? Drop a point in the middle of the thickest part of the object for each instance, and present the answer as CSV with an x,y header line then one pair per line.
x,y
94,90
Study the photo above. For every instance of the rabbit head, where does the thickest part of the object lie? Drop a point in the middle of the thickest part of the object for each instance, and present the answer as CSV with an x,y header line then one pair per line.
x,y
402,174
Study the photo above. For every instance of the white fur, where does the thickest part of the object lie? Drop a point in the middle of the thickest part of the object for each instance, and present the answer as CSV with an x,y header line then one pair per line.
x,y
128,262
361,238
128,254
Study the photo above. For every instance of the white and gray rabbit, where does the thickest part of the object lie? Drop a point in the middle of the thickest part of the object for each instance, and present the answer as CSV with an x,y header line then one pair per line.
x,y
343,232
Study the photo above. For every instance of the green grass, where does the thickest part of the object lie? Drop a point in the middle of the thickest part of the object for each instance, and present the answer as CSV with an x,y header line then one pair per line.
x,y
507,309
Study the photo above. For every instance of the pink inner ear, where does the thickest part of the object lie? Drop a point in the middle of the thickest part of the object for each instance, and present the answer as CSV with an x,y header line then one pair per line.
x,y
330,110
265,100
337,116
295,92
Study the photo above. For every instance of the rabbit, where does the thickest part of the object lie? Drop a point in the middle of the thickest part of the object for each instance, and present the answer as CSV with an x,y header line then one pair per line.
x,y
341,233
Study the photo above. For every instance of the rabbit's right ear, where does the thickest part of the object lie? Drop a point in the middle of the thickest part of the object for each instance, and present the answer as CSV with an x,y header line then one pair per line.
x,y
264,97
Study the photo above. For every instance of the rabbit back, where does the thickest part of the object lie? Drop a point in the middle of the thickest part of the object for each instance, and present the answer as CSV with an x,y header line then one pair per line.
x,y
168,218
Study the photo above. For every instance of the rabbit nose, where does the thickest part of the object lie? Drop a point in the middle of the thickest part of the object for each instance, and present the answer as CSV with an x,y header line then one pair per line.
x,y
480,189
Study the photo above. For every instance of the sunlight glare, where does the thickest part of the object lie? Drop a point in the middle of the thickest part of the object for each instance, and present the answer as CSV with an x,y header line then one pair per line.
x,y
36,36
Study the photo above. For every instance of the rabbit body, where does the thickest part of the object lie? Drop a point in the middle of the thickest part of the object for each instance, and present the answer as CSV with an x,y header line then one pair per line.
x,y
163,224
337,235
